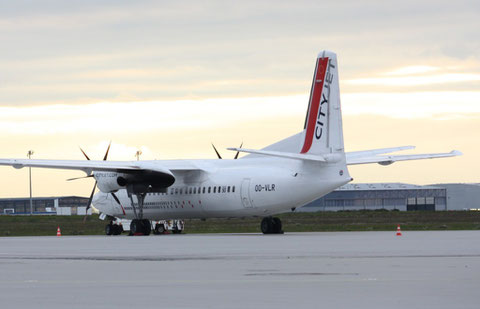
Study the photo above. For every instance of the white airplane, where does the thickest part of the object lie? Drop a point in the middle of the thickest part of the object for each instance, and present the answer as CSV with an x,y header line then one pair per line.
x,y
275,179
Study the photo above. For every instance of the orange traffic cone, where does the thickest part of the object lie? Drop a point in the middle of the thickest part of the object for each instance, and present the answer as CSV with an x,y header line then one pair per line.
x,y
399,231
59,233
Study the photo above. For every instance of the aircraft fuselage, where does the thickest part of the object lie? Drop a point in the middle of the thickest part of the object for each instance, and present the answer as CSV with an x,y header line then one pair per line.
x,y
232,188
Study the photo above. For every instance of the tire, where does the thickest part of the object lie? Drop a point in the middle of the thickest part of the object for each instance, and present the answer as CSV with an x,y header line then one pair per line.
x,y
277,225
266,225
108,229
147,227
135,227
117,230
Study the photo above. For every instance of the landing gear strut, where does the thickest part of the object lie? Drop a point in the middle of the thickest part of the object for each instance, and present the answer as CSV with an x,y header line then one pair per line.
x,y
271,225
139,226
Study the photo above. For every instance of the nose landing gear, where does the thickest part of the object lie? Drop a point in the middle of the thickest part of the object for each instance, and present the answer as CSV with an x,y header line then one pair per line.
x,y
113,229
271,225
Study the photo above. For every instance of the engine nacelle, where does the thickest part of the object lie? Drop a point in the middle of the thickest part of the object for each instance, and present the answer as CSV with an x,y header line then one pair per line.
x,y
110,182
141,182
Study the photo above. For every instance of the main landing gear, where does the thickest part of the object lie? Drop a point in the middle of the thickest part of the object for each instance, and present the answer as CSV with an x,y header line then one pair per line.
x,y
140,227
271,225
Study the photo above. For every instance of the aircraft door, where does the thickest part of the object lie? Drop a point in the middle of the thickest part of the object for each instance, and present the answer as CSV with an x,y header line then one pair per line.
x,y
245,193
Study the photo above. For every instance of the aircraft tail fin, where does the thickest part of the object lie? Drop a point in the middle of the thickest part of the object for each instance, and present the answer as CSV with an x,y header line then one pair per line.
x,y
323,132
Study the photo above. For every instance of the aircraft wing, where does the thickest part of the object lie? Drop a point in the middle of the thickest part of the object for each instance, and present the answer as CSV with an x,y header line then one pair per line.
x,y
90,166
372,156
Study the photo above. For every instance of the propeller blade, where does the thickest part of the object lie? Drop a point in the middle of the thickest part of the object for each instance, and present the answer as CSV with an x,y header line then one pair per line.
x,y
70,179
91,196
238,152
116,198
108,149
84,153
89,202
218,155
118,202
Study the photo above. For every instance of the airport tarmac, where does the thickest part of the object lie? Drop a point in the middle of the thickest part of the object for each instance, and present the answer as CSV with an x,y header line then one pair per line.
x,y
431,269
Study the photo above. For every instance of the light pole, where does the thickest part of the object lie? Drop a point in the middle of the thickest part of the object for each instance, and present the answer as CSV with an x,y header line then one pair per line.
x,y
29,155
138,154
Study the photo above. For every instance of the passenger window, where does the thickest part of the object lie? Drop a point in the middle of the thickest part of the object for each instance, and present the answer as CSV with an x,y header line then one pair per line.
x,y
228,189
194,190
219,188
233,189
203,190
214,189
209,189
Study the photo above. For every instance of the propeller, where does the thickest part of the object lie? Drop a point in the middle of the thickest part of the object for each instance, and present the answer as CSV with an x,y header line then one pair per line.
x,y
216,151
95,185
238,152
83,177
220,157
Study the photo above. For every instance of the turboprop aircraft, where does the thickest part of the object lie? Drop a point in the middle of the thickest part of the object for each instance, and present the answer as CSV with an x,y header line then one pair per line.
x,y
275,179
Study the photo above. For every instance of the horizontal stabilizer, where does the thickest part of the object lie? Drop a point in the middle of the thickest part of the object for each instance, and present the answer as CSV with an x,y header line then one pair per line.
x,y
279,154
377,151
387,160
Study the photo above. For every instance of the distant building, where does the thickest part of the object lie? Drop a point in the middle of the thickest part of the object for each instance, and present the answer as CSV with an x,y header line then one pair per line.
x,y
64,205
389,196
462,196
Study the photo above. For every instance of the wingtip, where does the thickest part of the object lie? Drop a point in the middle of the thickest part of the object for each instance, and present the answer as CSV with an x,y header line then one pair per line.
x,y
456,152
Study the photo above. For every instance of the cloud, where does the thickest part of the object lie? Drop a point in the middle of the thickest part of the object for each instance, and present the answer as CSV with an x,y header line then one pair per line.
x,y
428,104
415,69
417,80
145,116
154,50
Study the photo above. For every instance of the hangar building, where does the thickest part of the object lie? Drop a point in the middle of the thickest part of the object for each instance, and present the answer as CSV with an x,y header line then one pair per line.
x,y
389,196
462,196
64,205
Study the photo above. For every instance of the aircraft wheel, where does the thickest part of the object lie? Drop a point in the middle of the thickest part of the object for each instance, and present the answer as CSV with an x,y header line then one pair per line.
x,y
109,229
147,227
267,225
277,226
136,227
117,230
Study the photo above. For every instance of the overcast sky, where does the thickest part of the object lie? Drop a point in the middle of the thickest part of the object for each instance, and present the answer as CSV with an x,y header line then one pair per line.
x,y
169,77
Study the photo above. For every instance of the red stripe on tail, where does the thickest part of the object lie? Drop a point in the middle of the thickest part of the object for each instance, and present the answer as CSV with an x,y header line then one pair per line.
x,y
314,105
